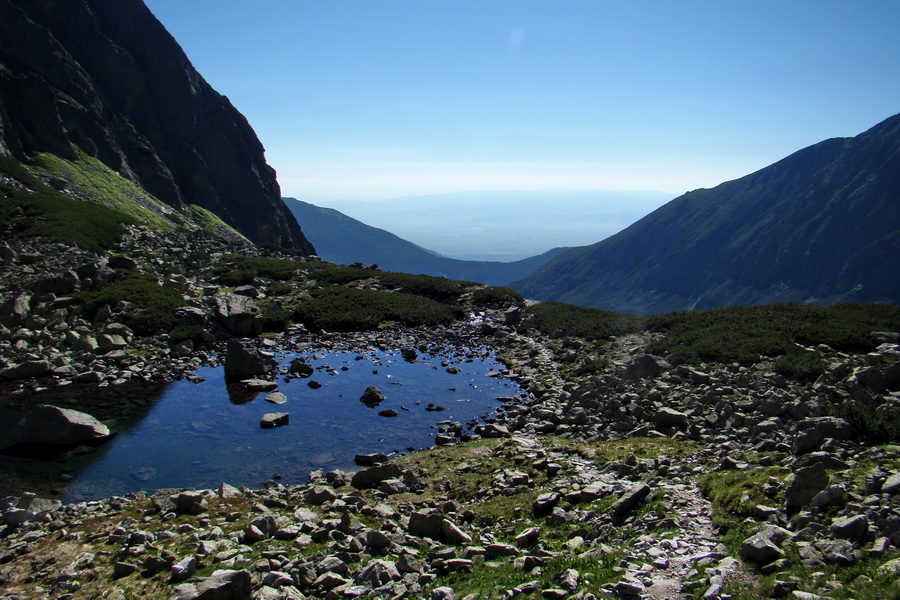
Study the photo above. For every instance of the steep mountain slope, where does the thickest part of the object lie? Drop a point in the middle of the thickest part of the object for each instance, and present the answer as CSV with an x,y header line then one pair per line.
x,y
820,226
104,79
342,239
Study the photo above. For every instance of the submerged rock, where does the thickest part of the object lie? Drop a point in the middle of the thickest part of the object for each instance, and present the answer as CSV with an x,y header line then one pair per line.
x,y
49,424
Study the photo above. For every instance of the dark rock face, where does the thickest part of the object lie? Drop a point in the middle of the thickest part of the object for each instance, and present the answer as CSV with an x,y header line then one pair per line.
x,y
106,78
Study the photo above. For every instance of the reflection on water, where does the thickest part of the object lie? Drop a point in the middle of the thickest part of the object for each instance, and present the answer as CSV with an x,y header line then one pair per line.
x,y
199,435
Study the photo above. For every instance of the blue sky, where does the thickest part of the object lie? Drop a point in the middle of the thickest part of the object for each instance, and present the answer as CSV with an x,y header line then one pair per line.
x,y
384,98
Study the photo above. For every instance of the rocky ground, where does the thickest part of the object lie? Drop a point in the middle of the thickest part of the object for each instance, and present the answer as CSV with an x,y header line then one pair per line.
x,y
640,479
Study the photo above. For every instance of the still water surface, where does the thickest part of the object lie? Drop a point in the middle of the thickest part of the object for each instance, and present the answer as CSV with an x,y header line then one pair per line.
x,y
202,434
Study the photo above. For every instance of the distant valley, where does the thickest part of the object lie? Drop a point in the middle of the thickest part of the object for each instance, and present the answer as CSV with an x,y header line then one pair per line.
x,y
504,225
342,239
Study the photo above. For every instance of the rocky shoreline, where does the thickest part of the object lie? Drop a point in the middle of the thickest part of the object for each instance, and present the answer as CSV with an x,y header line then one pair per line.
x,y
398,529
631,481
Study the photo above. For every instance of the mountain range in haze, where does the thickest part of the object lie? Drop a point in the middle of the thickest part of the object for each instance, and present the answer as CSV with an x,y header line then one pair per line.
x,y
504,225
342,239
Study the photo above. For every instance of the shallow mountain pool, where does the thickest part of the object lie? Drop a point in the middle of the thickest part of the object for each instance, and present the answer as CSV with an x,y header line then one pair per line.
x,y
199,435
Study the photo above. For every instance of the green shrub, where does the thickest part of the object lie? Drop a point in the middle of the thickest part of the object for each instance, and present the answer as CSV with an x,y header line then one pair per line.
x,y
237,277
745,333
153,306
557,318
197,334
800,365
275,318
496,296
436,288
279,269
279,289
351,309
331,274
877,423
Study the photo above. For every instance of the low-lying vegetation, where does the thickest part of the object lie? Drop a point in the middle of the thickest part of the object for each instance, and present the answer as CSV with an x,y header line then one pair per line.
x,y
744,334
559,319
49,214
351,309
152,307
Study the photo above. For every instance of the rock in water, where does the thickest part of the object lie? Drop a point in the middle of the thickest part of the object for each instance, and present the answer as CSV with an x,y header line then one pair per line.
x,y
53,425
271,420
242,362
372,397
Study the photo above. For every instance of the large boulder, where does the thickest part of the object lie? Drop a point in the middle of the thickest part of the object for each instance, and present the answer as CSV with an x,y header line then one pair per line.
x,y
238,314
26,370
646,366
221,585
242,362
807,483
49,424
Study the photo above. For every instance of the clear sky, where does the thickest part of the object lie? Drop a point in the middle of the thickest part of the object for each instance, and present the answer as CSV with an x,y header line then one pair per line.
x,y
372,99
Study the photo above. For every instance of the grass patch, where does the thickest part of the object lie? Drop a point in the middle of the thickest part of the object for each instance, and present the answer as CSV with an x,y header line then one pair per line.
x,y
735,494
51,215
609,451
210,223
560,319
350,309
104,186
153,306
496,579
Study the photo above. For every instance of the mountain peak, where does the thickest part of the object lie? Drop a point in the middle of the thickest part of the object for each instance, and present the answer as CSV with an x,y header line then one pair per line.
x,y
105,78
819,226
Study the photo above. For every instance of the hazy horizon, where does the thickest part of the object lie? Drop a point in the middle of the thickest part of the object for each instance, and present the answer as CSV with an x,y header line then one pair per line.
x,y
503,225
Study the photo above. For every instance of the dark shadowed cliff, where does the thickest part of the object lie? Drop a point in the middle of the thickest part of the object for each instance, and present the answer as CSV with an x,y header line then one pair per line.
x,y
104,78
820,226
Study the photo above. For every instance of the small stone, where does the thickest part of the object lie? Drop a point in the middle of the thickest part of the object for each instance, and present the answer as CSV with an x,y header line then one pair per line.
x,y
271,420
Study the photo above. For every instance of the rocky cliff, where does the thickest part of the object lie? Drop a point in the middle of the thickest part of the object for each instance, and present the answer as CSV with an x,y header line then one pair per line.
x,y
103,78
819,226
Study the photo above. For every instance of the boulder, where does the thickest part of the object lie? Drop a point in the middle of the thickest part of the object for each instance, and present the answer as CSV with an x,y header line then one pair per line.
x,y
372,397
629,500
53,425
15,310
807,483
852,528
892,484
272,420
221,585
426,525
27,370
242,362
646,366
374,475
238,314
669,417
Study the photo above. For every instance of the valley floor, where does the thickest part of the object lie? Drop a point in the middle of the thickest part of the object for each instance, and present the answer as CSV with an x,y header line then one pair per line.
x,y
641,480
